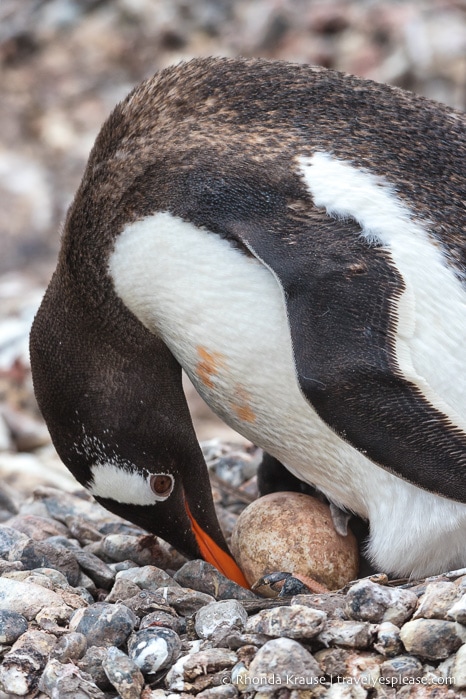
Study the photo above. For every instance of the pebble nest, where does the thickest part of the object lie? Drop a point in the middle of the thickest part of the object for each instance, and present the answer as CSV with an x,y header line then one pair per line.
x,y
91,606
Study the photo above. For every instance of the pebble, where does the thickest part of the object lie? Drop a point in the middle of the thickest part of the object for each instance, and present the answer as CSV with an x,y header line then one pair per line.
x,y
39,554
367,601
401,668
167,619
104,624
388,640
201,669
72,646
280,662
295,621
8,538
432,639
123,674
97,570
204,577
458,611
333,604
22,666
154,649
184,600
26,598
37,528
148,577
66,681
224,614
348,634
142,549
458,668
92,664
12,626
437,600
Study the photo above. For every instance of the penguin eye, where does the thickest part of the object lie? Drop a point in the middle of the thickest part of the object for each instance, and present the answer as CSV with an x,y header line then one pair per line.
x,y
161,484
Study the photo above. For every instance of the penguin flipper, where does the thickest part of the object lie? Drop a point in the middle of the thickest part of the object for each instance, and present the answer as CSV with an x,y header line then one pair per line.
x,y
341,296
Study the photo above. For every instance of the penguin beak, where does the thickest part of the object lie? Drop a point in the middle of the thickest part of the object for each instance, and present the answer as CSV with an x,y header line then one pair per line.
x,y
212,553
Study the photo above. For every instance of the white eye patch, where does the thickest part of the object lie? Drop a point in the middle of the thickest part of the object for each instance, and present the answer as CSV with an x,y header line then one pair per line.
x,y
122,485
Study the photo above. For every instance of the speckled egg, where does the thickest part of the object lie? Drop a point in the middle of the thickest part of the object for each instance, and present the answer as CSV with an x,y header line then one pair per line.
x,y
293,533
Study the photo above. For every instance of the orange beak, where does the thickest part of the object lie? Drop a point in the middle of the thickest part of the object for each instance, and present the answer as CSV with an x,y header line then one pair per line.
x,y
212,553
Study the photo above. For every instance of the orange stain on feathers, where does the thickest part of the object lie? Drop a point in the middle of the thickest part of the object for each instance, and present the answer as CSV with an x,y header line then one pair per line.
x,y
241,405
208,365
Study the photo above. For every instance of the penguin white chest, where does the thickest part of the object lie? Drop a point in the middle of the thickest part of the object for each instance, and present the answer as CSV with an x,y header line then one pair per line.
x,y
222,314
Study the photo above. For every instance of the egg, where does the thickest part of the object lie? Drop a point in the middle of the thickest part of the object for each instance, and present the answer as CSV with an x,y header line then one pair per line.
x,y
293,533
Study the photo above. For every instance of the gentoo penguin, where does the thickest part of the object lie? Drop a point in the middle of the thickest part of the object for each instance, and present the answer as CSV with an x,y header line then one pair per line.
x,y
294,239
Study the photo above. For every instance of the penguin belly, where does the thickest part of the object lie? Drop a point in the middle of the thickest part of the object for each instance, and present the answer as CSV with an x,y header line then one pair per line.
x,y
222,315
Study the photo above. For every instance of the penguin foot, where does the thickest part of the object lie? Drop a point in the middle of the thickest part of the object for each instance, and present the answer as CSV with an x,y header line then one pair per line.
x,y
292,584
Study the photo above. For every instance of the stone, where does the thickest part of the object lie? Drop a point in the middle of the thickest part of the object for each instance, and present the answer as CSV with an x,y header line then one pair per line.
x,y
458,668
26,598
143,549
204,577
122,590
457,611
23,664
66,681
437,600
280,662
12,626
123,674
388,640
169,620
70,646
295,621
92,664
225,691
104,624
145,602
344,690
333,603
40,554
432,639
294,533
154,649
9,537
399,670
209,667
367,601
148,578
37,528
348,634
97,570
184,600
227,614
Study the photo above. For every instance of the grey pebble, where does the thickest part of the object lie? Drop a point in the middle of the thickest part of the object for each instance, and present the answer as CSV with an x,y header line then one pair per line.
x,y
42,554
66,681
226,614
154,649
97,570
185,601
104,624
457,611
122,590
8,538
92,664
12,626
26,598
438,598
403,667
348,634
83,531
61,540
142,549
458,668
332,603
433,639
22,666
204,577
170,620
368,601
288,659
146,602
224,691
148,577
388,640
71,646
295,621
123,674
38,528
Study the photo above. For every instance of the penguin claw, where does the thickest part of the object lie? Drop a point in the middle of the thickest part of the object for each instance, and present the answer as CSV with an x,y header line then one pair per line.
x,y
340,519
292,584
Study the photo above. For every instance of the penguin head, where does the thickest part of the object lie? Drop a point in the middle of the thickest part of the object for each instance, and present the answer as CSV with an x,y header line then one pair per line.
x,y
118,418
